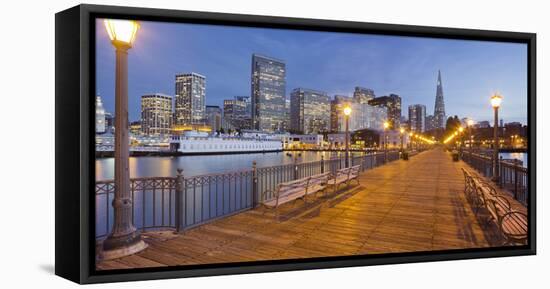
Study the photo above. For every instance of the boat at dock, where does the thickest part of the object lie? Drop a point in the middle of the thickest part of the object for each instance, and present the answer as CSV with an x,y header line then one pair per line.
x,y
202,143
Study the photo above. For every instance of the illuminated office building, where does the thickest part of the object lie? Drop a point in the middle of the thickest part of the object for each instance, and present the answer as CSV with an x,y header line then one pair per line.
x,y
268,87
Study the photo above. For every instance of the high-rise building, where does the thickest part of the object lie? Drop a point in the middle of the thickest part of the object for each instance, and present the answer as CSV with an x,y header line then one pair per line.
x,y
439,111
190,99
393,105
309,111
235,111
268,85
286,122
248,104
100,122
156,114
417,117
214,117
363,115
430,123
363,95
233,108
337,106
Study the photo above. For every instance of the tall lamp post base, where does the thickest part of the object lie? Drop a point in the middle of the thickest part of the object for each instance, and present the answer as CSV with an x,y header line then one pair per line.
x,y
122,246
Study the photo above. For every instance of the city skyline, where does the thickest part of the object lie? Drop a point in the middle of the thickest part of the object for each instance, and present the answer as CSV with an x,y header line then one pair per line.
x,y
406,66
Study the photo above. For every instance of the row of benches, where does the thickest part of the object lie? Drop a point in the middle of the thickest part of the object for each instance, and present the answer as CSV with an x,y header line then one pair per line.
x,y
511,223
302,188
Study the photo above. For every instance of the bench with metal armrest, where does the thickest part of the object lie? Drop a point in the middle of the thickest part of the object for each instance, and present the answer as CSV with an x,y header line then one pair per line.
x,y
297,189
345,176
511,223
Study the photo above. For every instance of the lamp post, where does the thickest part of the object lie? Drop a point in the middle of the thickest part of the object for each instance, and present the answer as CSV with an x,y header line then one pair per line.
x,y
496,99
124,239
401,132
411,135
386,126
347,112
461,131
470,125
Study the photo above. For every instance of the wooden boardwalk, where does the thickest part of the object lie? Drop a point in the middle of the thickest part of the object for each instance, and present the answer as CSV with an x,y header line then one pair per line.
x,y
404,206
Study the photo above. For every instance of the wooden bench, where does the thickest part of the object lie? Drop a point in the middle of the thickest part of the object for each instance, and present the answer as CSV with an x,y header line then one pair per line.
x,y
511,223
294,190
344,176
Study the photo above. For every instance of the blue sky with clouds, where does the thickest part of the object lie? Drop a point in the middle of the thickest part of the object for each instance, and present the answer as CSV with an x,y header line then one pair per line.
x,y
331,62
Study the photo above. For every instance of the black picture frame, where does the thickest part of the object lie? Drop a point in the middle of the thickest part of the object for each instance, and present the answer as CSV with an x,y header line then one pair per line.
x,y
75,174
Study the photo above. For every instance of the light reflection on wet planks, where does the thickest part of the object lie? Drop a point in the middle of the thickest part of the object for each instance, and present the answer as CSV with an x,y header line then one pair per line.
x,y
405,206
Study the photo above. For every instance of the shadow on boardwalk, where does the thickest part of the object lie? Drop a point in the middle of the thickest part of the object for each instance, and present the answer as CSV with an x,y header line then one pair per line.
x,y
404,206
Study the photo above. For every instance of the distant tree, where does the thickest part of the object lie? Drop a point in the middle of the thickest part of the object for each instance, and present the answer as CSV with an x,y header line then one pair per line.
x,y
453,123
221,131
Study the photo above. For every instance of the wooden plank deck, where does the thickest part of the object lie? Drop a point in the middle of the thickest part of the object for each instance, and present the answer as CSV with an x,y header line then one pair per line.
x,y
404,206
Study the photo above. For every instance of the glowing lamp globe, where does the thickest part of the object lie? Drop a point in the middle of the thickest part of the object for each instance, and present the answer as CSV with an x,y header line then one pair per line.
x,y
386,125
347,110
470,122
401,130
121,32
496,100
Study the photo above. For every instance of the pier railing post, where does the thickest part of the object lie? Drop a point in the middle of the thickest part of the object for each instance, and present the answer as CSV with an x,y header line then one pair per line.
x,y
322,164
254,185
295,168
499,176
516,165
178,198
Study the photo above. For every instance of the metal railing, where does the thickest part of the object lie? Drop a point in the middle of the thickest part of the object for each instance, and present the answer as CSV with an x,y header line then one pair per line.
x,y
511,175
180,202
514,178
153,203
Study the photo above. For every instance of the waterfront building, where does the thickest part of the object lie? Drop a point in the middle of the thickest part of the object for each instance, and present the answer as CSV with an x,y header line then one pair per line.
x,y
439,111
214,117
190,97
394,139
336,140
156,114
363,95
393,105
109,122
100,122
515,134
135,127
303,141
366,138
268,89
309,111
417,118
483,124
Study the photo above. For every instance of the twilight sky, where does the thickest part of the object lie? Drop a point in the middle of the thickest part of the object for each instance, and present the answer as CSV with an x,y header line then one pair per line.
x,y
331,62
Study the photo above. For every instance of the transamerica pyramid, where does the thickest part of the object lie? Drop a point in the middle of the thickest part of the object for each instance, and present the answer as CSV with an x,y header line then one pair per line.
x,y
439,111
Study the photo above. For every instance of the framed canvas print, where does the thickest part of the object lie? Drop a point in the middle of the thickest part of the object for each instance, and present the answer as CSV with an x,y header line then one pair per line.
x,y
193,144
